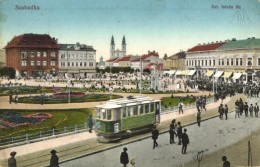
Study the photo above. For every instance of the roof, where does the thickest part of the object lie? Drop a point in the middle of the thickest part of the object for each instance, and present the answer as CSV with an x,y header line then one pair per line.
x,y
111,60
249,43
76,47
125,58
206,47
179,55
32,41
150,66
146,56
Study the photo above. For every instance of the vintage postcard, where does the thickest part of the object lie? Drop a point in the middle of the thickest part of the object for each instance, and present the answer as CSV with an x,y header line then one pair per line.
x,y
141,83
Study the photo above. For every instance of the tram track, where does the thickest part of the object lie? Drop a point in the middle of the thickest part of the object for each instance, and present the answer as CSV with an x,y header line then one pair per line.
x,y
92,146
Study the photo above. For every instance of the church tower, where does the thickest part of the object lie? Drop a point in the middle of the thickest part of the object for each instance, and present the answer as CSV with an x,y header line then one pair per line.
x,y
123,46
112,47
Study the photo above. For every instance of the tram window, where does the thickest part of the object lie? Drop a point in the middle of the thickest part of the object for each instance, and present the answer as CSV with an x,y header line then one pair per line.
x,y
157,108
135,110
123,112
130,111
141,109
152,107
109,115
103,114
146,108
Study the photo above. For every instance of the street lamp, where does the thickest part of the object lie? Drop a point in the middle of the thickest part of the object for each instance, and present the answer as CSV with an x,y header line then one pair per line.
x,y
69,91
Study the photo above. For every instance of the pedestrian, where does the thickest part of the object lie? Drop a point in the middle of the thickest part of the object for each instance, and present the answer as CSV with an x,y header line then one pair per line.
x,y
179,132
204,102
251,108
246,109
54,162
226,111
173,125
155,134
226,163
221,111
180,105
198,118
185,141
90,123
256,109
124,157
241,106
237,109
10,98
172,133
12,160
16,99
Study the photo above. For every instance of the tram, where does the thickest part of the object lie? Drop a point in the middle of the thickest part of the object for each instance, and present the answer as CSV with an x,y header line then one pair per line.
x,y
125,117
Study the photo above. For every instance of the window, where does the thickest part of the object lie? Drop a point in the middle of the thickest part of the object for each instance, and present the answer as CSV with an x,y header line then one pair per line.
x,y
38,54
32,63
53,54
210,62
44,63
53,63
192,62
80,64
236,61
195,62
23,55
44,54
231,62
38,63
206,62
241,61
24,63
258,61
72,64
135,108
68,64
214,62
141,109
109,115
85,64
32,54
227,62
202,62
90,64
249,62
124,112
76,64
222,62
152,107
146,108
219,62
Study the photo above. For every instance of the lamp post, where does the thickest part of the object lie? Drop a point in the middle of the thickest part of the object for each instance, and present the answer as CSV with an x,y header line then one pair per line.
x,y
68,91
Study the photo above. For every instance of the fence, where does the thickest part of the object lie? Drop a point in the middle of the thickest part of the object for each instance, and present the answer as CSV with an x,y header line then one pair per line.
x,y
57,132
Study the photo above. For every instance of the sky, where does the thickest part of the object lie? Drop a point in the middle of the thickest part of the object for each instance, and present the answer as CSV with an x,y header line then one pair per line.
x,y
164,26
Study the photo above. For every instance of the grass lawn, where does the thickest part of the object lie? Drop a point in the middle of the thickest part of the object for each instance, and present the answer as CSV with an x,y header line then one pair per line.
x,y
173,101
60,119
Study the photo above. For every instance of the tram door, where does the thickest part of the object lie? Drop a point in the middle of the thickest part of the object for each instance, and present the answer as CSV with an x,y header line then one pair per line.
x,y
157,112
116,116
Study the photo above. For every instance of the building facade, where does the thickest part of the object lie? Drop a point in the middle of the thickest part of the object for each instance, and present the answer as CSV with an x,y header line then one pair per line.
x,y
176,61
33,55
116,53
76,60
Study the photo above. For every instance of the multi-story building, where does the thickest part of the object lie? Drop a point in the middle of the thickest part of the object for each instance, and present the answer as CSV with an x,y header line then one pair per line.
x,y
76,60
236,60
176,61
117,53
148,60
2,57
33,55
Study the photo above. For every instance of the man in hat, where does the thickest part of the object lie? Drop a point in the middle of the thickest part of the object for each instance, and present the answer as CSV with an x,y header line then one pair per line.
x,y
12,160
54,162
124,157
90,123
185,142
226,163
155,134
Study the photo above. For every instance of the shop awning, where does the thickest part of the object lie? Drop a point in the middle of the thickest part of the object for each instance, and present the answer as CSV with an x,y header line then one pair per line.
x,y
171,72
237,75
178,73
209,73
227,74
218,74
191,72
185,72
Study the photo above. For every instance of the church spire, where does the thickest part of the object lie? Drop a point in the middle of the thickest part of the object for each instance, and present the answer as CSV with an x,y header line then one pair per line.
x,y
123,41
112,40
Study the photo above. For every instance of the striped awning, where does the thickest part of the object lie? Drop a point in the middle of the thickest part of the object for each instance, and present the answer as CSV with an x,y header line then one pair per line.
x,y
209,73
227,74
218,74
191,72
237,75
178,73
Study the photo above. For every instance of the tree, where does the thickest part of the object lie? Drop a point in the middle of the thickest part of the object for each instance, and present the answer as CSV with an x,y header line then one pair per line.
x,y
8,72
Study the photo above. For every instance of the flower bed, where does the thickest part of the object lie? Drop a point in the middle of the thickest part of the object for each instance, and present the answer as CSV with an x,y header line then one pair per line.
x,y
72,95
12,120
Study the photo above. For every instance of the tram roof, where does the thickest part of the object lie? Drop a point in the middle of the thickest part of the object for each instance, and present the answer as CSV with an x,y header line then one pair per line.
x,y
116,103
